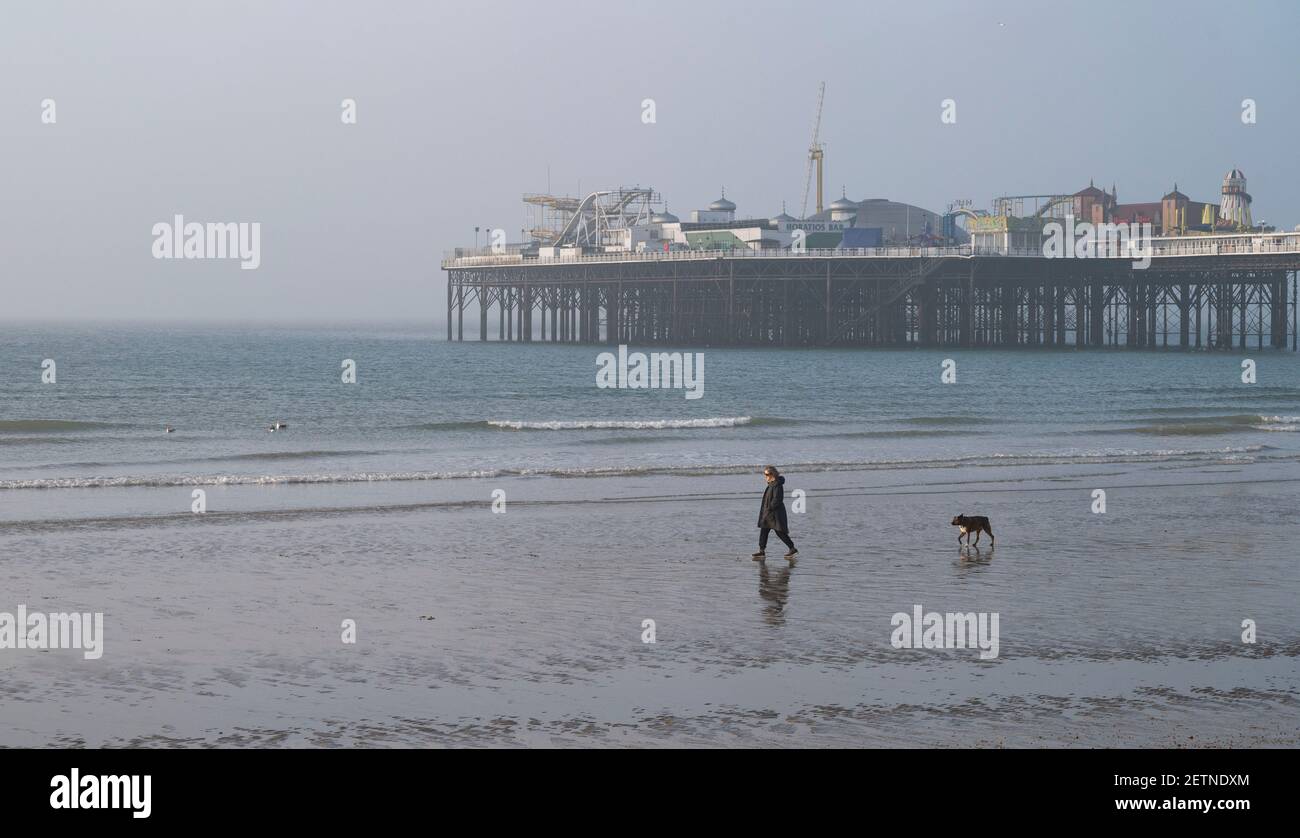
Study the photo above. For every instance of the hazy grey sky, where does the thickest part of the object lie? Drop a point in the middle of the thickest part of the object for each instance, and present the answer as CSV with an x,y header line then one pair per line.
x,y
229,111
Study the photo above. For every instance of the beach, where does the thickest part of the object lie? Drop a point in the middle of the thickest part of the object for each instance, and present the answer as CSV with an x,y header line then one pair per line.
x,y
525,626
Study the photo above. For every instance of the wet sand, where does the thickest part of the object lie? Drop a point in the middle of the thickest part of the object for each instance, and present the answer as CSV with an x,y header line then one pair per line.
x,y
524,629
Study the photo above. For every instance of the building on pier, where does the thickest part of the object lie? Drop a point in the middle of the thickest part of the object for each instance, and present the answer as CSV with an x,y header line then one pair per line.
x,y
1175,214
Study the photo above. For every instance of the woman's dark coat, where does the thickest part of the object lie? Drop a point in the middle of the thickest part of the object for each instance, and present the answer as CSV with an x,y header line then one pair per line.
x,y
772,513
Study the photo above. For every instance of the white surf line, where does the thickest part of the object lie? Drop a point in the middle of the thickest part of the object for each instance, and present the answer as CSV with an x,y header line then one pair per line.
x,y
235,516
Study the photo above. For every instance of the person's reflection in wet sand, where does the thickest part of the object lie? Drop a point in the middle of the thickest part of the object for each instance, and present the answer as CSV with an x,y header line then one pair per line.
x,y
776,590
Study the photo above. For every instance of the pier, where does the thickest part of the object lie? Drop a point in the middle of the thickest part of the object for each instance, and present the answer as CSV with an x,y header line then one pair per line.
x,y
1199,292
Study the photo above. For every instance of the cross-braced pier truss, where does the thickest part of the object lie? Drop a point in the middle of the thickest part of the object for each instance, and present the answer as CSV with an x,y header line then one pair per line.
x,y
1218,292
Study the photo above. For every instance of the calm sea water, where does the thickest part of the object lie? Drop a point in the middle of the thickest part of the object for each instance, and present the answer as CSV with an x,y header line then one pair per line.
x,y
525,628
427,410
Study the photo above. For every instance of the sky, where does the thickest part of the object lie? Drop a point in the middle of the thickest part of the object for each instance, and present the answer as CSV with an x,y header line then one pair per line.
x,y
231,112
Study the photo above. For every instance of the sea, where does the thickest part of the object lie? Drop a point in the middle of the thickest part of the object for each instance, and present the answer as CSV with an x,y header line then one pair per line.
x,y
525,558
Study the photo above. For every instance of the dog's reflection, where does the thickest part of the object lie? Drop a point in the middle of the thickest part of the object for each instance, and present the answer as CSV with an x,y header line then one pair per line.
x,y
970,556
775,589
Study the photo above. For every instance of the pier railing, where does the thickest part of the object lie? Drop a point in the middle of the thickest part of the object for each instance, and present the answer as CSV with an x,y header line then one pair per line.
x,y
1165,247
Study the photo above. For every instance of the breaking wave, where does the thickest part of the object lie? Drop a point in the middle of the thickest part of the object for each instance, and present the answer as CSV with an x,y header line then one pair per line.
x,y
1209,425
598,424
623,424
1230,454
1278,423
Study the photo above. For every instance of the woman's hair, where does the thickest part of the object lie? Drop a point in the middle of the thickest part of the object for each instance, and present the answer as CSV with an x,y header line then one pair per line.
x,y
771,470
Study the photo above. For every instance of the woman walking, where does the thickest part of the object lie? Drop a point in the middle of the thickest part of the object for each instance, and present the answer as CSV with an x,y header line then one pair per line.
x,y
771,515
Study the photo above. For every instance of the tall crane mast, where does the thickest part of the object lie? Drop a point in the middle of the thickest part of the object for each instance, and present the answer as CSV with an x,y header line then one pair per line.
x,y
815,155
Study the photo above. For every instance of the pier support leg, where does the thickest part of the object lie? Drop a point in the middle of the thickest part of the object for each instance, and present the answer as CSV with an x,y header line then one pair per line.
x,y
526,311
1153,310
1081,329
1279,312
1010,307
731,303
1097,315
928,315
1244,305
1196,308
1060,315
967,306
1184,315
482,312
827,336
785,311
616,333
1040,327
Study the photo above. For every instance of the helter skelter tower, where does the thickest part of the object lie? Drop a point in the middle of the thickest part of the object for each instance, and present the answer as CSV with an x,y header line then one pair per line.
x,y
1235,205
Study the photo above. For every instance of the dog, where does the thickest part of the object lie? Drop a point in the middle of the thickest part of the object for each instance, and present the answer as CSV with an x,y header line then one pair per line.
x,y
973,524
